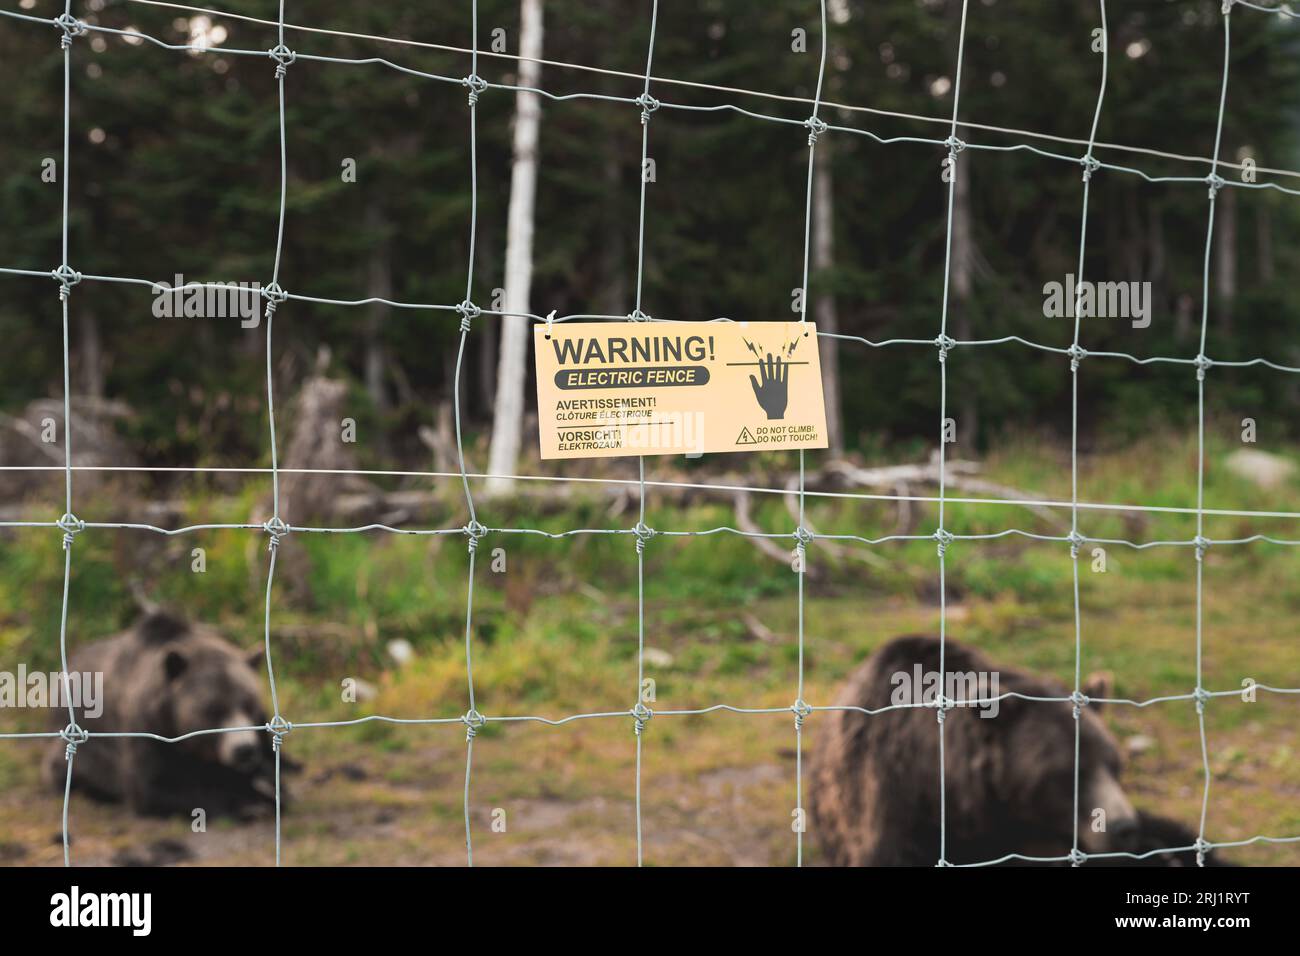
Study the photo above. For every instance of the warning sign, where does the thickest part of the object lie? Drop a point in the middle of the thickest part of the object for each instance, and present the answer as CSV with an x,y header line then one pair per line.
x,y
638,388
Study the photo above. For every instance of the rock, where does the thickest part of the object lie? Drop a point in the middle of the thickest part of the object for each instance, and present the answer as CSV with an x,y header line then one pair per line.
x,y
1139,743
657,658
159,853
401,651
1261,468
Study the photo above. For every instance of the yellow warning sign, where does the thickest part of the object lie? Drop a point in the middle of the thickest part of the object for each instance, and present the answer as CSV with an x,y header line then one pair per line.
x,y
671,388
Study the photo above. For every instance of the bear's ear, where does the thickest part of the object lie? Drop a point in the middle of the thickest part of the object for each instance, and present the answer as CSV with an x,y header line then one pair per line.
x,y
159,627
254,657
175,664
1100,684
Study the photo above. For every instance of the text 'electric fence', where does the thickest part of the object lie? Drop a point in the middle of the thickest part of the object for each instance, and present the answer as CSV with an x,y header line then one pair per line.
x,y
276,528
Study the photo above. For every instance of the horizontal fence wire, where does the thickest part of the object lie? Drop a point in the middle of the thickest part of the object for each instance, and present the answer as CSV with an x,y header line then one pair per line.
x,y
276,528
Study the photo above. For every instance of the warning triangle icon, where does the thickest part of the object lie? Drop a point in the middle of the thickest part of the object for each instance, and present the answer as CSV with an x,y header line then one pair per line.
x,y
745,438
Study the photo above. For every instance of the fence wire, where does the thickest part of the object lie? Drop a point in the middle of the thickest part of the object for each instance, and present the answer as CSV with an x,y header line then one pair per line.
x,y
276,528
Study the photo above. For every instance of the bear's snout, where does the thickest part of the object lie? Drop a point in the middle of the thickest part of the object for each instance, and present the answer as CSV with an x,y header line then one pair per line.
x,y
239,750
1123,833
1118,831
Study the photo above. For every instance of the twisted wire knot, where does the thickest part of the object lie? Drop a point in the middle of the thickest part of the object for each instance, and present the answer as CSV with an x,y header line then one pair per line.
x,y
468,312
74,737
283,58
273,295
648,105
1227,7
277,529
1215,182
1077,354
1201,696
1076,541
802,538
1090,165
476,86
1203,846
1202,363
943,704
474,531
944,538
816,126
636,315
1202,545
954,145
641,714
944,342
279,729
71,526
1079,701
71,27
643,534
474,722
801,711
1077,857
67,277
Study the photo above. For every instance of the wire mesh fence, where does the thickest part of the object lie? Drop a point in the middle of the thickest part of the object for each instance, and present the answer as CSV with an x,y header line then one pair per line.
x,y
801,538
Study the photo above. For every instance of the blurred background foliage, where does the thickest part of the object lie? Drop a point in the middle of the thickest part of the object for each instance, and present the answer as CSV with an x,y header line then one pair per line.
x,y
174,169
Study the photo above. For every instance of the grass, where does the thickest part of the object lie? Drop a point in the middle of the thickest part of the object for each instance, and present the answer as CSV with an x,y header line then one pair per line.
x,y
555,634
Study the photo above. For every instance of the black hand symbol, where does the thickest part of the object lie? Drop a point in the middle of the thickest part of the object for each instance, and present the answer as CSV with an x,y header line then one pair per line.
x,y
773,393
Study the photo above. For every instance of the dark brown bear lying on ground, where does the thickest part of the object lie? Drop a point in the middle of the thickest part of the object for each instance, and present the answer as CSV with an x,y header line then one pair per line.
x,y
874,791
1168,836
167,677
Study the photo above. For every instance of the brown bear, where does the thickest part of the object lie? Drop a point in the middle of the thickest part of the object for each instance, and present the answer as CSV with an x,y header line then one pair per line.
x,y
1009,766
1161,841
167,677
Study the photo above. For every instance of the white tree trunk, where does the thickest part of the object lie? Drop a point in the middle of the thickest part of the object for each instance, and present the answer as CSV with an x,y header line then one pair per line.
x,y
824,311
512,370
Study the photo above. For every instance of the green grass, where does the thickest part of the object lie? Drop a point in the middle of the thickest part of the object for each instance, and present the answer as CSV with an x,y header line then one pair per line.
x,y
556,635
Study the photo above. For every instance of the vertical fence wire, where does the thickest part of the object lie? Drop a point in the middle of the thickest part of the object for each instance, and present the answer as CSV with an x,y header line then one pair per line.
x,y
72,734
942,535
474,531
1214,183
275,526
816,126
640,712
1077,354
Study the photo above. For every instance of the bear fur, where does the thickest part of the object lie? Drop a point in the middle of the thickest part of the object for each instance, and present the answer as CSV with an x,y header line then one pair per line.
x,y
1160,833
167,677
874,789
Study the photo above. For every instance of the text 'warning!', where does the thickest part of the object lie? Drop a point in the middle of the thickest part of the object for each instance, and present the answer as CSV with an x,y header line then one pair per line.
x,y
677,388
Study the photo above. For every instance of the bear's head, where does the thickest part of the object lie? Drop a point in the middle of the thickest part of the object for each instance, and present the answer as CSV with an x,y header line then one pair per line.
x,y
207,683
1106,820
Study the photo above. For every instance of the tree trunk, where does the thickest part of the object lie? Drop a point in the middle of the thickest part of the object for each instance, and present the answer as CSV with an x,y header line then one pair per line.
x,y
512,372
963,256
489,332
613,279
1225,256
824,311
1264,240
92,355
1157,255
379,284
